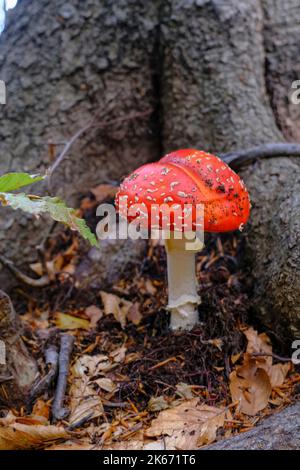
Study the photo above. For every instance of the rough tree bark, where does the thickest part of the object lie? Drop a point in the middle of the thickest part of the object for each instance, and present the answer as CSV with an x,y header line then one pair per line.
x,y
63,62
218,75
279,432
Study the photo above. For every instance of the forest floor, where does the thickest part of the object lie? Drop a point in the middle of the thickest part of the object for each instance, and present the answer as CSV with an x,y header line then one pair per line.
x,y
134,384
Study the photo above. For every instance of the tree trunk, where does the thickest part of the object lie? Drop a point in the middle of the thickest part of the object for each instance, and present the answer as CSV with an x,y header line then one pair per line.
x,y
215,74
214,96
279,432
65,63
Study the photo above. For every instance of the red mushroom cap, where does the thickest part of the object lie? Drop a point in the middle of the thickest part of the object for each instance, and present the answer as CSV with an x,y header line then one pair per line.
x,y
190,177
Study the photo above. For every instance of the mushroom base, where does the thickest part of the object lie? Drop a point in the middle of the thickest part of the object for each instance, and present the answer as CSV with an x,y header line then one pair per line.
x,y
184,317
182,283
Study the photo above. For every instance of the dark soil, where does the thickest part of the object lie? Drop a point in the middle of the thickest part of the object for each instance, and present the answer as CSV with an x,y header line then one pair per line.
x,y
193,357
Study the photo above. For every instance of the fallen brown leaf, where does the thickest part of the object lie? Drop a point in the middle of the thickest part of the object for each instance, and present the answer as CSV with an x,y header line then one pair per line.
x,y
41,408
116,306
20,436
106,384
85,402
209,429
184,390
134,315
250,386
259,343
158,403
119,354
278,373
94,314
188,425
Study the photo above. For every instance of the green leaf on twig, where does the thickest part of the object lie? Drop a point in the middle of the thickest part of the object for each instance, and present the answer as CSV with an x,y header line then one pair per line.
x,y
13,181
56,208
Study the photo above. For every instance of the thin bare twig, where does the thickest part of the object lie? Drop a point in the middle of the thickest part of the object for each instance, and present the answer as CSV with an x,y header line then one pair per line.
x,y
51,359
239,158
29,281
4,378
275,356
41,248
92,125
66,347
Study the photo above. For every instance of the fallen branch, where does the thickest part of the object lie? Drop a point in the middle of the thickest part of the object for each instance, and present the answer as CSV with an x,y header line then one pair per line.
x,y
66,345
238,158
51,359
29,281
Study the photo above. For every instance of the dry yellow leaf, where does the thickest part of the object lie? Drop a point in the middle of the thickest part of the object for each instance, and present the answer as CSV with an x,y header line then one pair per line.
x,y
65,321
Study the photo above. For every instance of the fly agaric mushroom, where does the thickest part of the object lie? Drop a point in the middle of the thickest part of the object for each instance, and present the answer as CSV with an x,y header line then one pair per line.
x,y
186,177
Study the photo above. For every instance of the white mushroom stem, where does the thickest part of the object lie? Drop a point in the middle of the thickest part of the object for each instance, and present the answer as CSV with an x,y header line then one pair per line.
x,y
182,283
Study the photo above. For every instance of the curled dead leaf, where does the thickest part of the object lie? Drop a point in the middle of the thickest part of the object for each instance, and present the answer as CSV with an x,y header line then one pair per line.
x,y
15,435
250,386
116,306
259,344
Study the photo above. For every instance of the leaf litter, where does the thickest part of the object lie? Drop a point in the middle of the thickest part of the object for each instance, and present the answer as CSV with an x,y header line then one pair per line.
x,y
132,383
